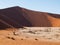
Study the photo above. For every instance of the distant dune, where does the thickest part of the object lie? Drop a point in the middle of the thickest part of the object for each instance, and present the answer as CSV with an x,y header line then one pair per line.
x,y
19,17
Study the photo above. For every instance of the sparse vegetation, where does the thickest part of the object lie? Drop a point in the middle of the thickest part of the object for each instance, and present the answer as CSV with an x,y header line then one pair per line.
x,y
31,32
14,33
21,39
11,38
56,35
36,39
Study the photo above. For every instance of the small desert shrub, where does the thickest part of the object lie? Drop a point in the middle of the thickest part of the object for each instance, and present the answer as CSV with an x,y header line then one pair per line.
x,y
21,39
8,37
36,39
11,38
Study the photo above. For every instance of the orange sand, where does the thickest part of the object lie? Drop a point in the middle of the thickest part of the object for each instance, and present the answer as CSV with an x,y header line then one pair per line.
x,y
18,40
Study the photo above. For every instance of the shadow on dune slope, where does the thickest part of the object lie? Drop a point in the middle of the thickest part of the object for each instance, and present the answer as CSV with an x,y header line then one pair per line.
x,y
17,17
14,17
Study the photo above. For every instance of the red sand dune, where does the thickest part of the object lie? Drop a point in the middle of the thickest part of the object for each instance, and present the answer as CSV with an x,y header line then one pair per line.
x,y
19,17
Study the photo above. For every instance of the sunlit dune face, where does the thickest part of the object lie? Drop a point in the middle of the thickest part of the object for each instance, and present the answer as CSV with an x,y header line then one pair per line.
x,y
55,22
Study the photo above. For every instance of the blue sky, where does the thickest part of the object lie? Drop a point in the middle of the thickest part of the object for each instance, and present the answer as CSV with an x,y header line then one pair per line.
x,y
52,6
